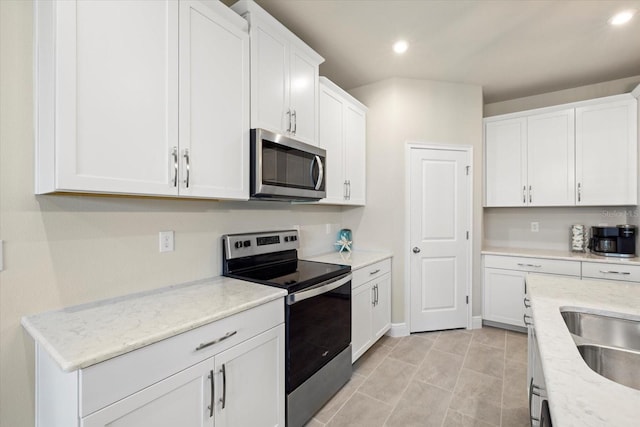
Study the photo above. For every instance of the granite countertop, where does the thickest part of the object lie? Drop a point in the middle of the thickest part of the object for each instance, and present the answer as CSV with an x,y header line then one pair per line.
x,y
356,259
577,395
83,335
561,255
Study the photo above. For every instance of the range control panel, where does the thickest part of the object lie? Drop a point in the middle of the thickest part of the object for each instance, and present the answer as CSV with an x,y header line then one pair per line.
x,y
249,244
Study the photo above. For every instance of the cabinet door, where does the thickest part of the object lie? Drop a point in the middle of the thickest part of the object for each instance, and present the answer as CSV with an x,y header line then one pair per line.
x,y
502,296
606,147
361,310
250,382
355,154
180,400
330,137
551,159
214,104
381,319
505,162
304,96
269,79
117,96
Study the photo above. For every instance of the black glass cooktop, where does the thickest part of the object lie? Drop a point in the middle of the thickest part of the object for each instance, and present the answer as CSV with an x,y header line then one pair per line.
x,y
292,275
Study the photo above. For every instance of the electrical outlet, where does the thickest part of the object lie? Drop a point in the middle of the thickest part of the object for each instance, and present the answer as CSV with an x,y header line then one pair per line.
x,y
535,227
166,241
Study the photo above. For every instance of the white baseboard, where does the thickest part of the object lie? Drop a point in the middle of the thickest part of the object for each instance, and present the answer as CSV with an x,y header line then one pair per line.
x,y
398,330
476,322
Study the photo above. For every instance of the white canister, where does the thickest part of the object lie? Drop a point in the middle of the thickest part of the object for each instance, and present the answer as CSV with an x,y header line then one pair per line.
x,y
578,238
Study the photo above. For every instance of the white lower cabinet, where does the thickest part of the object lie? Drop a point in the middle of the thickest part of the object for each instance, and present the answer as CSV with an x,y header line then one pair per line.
x,y
371,306
504,285
226,373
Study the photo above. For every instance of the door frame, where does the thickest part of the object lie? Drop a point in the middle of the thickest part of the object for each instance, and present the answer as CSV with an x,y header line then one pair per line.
x,y
418,145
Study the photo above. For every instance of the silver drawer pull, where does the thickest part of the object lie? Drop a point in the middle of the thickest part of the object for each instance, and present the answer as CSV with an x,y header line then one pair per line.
x,y
216,341
375,271
529,265
527,302
524,319
626,273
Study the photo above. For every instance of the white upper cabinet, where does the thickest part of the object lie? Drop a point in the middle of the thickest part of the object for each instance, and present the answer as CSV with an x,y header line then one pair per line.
x,y
342,133
576,154
550,159
109,103
214,102
506,162
284,77
606,153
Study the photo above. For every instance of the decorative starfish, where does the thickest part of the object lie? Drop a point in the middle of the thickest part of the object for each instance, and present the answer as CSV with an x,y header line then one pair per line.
x,y
344,244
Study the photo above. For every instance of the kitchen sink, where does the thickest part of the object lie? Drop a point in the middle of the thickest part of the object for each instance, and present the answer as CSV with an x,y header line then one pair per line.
x,y
603,330
621,366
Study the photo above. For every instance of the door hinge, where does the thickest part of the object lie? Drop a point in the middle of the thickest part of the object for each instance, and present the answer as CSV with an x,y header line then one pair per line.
x,y
467,299
467,235
467,168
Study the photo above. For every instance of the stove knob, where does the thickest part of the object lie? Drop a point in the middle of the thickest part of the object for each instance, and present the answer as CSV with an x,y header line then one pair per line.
x,y
247,243
294,238
238,245
286,238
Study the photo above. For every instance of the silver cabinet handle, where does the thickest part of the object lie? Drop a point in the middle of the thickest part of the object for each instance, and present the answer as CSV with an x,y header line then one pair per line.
x,y
529,265
174,153
188,166
624,273
345,190
349,187
210,407
524,194
531,394
373,296
375,271
223,399
579,191
216,341
524,319
526,302
294,118
289,120
530,194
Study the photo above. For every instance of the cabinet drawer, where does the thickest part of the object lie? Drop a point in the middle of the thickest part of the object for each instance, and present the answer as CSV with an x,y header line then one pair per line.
x,y
537,265
114,379
370,272
599,270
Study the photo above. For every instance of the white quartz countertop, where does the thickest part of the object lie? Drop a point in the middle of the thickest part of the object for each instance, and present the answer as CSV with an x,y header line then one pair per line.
x,y
562,255
80,336
356,259
577,395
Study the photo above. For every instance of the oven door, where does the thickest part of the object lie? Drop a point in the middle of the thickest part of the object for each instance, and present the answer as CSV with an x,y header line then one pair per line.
x,y
318,327
283,168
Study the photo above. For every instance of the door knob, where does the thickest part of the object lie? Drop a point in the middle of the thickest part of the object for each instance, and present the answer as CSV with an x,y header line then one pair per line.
x,y
416,250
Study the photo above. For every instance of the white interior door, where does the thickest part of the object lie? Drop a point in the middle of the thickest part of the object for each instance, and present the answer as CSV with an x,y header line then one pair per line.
x,y
440,211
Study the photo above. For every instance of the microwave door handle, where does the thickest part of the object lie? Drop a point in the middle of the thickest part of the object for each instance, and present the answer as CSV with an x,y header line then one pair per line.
x,y
318,160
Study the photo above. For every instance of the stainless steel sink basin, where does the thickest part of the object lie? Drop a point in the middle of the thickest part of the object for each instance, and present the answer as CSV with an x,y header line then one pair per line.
x,y
621,366
604,330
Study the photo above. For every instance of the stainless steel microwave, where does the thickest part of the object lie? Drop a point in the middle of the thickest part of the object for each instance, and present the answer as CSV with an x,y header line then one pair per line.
x,y
285,169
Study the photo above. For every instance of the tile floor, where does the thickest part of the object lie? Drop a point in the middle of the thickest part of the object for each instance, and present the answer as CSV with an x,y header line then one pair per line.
x,y
449,378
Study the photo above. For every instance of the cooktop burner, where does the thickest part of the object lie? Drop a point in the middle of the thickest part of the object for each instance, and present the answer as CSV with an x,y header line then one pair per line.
x,y
272,259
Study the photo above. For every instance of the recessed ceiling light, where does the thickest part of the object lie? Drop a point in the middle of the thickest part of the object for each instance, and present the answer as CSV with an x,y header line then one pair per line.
x,y
400,46
622,17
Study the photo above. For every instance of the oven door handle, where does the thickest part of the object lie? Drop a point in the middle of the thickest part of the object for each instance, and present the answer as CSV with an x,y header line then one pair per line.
x,y
319,289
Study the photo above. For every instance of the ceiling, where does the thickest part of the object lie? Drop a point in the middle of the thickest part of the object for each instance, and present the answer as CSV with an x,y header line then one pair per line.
x,y
512,48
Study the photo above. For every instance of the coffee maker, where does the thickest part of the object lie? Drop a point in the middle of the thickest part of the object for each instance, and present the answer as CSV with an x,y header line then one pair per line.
x,y
618,241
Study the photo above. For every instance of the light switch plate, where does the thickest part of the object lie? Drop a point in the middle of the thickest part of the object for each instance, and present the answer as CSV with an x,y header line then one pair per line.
x,y
535,227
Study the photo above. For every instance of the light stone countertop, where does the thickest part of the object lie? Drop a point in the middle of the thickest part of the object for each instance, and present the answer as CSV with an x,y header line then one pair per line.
x,y
83,335
561,255
356,259
577,395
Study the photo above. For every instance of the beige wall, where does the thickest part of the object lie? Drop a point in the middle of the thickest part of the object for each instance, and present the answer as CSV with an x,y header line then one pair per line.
x,y
402,110
511,227
582,93
64,250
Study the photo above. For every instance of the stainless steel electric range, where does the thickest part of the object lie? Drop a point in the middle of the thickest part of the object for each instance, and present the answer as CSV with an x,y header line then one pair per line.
x,y
317,314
